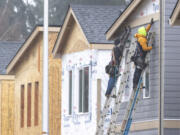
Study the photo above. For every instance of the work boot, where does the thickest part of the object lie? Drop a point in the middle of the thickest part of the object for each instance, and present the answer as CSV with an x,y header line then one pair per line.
x,y
107,95
114,96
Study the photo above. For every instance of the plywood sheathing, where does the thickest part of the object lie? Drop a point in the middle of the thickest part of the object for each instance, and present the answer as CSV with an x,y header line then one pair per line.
x,y
74,39
7,107
29,70
54,91
72,28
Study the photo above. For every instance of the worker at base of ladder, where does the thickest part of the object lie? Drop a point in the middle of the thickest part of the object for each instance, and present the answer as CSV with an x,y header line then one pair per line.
x,y
113,67
140,53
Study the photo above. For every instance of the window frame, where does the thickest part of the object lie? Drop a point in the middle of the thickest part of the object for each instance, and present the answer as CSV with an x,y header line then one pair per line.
x,y
72,72
22,106
29,105
82,68
36,103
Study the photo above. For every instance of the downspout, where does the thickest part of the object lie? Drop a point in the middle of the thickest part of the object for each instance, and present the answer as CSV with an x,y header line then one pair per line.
x,y
161,66
45,94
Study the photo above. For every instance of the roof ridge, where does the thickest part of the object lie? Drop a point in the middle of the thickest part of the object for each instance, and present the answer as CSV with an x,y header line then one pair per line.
x,y
93,5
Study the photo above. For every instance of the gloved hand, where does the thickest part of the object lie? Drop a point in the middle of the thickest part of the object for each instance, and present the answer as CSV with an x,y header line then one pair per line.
x,y
152,21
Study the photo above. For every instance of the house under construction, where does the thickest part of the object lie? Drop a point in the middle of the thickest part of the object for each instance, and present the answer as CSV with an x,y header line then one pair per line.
x,y
77,59
84,56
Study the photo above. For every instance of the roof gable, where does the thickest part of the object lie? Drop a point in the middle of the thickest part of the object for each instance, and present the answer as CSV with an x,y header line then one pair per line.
x,y
175,16
20,53
93,20
66,29
7,52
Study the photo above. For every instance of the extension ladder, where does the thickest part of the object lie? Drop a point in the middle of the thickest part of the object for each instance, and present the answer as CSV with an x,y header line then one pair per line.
x,y
132,104
135,96
123,83
100,130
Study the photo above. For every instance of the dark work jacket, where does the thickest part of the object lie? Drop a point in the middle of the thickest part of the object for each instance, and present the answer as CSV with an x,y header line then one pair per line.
x,y
117,53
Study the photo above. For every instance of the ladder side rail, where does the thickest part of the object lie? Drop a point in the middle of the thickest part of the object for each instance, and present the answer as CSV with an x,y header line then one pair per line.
x,y
128,124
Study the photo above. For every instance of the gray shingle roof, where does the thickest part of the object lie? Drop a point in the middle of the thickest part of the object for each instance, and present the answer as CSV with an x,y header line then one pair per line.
x,y
7,51
96,19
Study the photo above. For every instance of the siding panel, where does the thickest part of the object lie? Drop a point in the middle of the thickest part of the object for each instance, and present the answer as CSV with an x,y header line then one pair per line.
x,y
145,132
147,109
168,131
172,68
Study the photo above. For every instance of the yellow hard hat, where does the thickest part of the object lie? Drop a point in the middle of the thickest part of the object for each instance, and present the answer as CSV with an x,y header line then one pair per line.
x,y
142,31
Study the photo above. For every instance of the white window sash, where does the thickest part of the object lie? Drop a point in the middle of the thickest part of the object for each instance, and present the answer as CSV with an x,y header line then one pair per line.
x,y
83,89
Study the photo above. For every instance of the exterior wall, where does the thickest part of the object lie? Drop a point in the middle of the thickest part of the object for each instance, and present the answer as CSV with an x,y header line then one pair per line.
x,y
55,68
147,109
77,53
76,40
7,107
146,8
172,66
78,123
174,131
29,70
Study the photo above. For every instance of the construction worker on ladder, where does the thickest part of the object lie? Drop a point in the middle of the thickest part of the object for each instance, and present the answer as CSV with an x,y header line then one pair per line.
x,y
140,53
113,67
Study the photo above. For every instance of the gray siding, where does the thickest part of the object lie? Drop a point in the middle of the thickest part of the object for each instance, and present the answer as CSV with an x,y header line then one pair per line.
x,y
168,131
147,109
145,132
172,68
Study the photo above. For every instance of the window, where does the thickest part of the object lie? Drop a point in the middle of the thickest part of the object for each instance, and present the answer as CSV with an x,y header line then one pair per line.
x,y
84,90
22,106
29,105
36,104
146,90
70,92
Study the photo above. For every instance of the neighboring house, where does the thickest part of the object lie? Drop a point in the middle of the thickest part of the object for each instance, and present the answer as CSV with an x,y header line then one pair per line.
x,y
158,111
85,52
7,110
27,67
